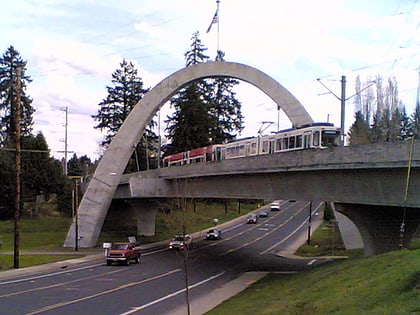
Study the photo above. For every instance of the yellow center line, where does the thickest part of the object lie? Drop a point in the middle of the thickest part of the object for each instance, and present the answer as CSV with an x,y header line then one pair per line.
x,y
57,305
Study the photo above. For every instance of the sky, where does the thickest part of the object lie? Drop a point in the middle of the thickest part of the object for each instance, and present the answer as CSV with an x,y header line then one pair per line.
x,y
72,48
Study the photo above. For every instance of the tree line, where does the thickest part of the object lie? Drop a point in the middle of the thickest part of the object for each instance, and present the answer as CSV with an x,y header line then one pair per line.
x,y
380,115
205,112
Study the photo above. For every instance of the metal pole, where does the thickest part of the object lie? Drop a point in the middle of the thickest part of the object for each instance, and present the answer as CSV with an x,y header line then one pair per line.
x,y
309,224
343,108
76,216
18,169
218,25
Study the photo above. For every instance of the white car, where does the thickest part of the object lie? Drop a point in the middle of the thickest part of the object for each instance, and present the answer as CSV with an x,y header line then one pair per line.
x,y
275,206
180,242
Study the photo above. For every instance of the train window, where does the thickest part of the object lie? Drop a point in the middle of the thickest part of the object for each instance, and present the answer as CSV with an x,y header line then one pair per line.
x,y
278,144
285,145
265,146
299,141
292,142
316,138
253,148
241,150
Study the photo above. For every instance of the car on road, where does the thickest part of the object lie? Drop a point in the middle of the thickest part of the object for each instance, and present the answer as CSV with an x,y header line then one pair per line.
x,y
180,242
263,214
123,252
275,206
252,218
214,234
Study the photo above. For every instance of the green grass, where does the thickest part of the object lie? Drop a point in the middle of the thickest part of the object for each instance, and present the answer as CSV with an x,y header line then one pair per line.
x,y
326,241
44,233
7,261
385,284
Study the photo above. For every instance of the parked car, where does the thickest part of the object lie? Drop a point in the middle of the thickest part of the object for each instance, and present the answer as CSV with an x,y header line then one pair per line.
x,y
275,206
263,214
252,218
180,242
214,234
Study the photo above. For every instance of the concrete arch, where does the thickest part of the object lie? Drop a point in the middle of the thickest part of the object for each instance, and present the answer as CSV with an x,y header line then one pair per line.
x,y
98,196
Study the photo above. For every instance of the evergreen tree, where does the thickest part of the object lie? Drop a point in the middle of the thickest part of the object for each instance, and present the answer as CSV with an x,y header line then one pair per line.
x,y
359,131
10,62
224,107
404,125
190,125
75,166
123,96
206,111
7,188
414,125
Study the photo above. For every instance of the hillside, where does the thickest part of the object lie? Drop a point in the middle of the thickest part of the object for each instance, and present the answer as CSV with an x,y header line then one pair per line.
x,y
384,284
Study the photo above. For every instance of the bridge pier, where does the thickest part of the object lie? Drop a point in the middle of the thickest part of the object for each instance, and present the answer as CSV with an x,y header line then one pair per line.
x,y
145,212
380,226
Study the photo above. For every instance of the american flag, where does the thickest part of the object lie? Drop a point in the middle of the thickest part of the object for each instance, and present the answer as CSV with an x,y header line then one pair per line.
x,y
214,20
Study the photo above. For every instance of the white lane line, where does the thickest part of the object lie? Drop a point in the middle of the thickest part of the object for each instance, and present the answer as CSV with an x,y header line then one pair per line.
x,y
88,297
49,274
139,308
291,234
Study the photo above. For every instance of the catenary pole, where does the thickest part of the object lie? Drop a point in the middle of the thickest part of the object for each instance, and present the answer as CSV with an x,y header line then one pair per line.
x,y
343,108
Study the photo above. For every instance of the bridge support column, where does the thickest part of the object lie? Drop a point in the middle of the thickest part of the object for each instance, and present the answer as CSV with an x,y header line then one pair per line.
x,y
145,212
380,225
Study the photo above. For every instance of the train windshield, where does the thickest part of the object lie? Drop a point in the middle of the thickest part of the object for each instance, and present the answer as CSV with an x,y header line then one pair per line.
x,y
330,138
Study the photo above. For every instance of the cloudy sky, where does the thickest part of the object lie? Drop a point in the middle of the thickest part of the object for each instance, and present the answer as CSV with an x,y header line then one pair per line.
x,y
72,47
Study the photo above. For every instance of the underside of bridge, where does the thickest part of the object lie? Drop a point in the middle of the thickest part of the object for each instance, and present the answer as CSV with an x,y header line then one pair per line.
x,y
379,226
382,228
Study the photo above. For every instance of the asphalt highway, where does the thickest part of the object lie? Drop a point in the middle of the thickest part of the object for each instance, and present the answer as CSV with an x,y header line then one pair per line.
x,y
157,285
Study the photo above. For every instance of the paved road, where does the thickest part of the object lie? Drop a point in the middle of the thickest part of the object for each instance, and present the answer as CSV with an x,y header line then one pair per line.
x,y
216,270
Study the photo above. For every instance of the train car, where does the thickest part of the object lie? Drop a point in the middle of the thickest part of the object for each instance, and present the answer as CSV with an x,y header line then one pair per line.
x,y
311,136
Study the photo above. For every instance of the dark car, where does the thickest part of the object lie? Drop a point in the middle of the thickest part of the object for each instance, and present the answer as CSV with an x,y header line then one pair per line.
x,y
252,218
214,234
263,214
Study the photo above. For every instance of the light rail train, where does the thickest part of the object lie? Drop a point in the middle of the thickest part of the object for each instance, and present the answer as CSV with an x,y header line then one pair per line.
x,y
313,136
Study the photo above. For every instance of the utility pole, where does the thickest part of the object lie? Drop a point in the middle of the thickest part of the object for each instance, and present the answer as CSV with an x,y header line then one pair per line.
x,y
65,141
343,105
343,100
343,109
18,168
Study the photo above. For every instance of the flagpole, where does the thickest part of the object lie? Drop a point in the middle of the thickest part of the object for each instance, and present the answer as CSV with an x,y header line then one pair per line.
x,y
218,24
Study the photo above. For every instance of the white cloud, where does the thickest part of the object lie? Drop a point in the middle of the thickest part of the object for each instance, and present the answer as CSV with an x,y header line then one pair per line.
x,y
73,47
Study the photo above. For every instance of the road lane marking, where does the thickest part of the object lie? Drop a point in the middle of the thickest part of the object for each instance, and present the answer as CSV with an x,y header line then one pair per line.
x,y
290,235
265,234
131,284
49,274
58,284
139,308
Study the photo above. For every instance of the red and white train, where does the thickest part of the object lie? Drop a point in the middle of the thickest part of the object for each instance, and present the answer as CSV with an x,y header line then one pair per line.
x,y
313,136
